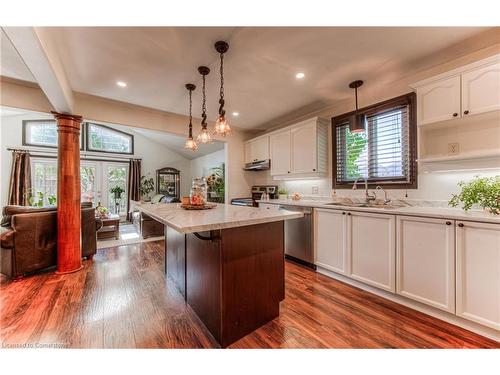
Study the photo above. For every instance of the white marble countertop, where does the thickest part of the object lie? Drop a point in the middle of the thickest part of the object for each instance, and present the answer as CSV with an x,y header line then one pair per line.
x,y
435,212
221,217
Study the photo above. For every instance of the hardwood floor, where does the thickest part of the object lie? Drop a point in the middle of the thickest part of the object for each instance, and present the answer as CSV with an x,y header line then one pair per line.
x,y
121,300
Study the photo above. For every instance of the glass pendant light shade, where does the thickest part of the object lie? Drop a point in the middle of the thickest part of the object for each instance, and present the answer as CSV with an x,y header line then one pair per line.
x,y
204,136
191,144
222,126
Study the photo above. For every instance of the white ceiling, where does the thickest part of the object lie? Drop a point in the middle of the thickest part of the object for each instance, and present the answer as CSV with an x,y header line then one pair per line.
x,y
11,64
260,65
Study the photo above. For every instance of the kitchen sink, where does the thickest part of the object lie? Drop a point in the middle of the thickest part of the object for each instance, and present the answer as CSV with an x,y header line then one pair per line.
x,y
367,205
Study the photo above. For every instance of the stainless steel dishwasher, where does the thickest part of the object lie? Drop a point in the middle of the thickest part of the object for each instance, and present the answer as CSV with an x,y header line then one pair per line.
x,y
299,236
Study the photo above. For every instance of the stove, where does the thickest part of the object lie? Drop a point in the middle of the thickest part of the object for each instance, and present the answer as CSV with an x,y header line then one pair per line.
x,y
257,192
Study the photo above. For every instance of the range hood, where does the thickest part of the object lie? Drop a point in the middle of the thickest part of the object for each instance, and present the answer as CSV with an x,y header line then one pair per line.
x,y
260,165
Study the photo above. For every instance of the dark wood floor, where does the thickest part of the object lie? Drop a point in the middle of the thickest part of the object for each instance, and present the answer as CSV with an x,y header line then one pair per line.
x,y
121,300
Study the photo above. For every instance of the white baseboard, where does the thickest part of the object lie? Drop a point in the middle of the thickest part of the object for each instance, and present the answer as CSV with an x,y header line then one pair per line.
x,y
436,313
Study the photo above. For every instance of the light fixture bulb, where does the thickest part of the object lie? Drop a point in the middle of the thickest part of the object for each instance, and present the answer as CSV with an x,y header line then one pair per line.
x,y
236,114
222,126
300,75
204,136
121,84
191,144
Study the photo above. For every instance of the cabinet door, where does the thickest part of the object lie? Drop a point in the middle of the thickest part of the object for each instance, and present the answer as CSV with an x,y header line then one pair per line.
x,y
481,90
280,153
439,101
248,152
260,149
304,153
330,237
425,258
478,272
371,242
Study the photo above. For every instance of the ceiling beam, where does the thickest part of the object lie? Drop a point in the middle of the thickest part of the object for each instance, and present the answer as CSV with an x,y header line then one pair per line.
x,y
39,52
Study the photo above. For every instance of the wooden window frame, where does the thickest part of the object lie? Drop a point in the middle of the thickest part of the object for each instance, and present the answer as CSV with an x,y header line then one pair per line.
x,y
409,99
87,139
25,141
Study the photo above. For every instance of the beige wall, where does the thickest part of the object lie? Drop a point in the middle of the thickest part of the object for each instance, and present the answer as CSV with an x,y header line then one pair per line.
x,y
26,96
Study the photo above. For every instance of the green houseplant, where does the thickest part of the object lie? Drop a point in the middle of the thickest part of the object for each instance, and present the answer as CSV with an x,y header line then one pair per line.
x,y
483,191
117,191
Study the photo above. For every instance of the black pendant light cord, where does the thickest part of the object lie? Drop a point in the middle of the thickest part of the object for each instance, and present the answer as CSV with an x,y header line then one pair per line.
x,y
190,114
222,112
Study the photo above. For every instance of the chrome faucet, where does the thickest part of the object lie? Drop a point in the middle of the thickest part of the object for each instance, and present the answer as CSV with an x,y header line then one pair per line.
x,y
368,197
387,200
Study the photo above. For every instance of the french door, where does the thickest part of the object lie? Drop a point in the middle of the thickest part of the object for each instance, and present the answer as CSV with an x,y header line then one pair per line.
x,y
97,180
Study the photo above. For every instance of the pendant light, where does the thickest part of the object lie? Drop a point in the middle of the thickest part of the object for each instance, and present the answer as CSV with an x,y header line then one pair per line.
x,y
190,142
204,136
357,122
221,125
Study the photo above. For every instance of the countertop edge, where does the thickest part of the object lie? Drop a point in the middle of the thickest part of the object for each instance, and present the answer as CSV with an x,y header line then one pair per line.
x,y
219,226
404,211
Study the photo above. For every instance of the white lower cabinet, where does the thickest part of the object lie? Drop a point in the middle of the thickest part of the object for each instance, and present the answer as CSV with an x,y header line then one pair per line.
x,y
331,235
371,242
478,272
425,261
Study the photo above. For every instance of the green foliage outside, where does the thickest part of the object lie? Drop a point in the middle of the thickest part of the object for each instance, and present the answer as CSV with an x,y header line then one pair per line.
x,y
483,191
216,182
355,145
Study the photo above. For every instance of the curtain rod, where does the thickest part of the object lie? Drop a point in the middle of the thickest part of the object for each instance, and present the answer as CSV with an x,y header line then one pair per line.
x,y
83,154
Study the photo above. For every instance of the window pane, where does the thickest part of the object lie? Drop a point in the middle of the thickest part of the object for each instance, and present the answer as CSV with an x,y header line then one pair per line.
x,y
44,182
109,140
117,177
41,133
88,184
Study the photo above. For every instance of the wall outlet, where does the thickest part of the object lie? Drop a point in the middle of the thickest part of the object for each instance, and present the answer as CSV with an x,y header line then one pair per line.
x,y
315,189
453,148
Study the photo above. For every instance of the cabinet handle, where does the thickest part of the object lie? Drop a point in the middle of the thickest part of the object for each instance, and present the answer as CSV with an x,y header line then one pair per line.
x,y
349,213
466,112
314,169
288,171
460,225
448,223
455,114
343,213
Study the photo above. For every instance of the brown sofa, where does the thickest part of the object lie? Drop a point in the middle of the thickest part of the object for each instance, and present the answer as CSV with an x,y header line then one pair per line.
x,y
29,238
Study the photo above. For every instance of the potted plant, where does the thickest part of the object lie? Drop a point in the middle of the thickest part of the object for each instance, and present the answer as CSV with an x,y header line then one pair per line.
x,y
52,200
117,191
147,186
482,191
282,193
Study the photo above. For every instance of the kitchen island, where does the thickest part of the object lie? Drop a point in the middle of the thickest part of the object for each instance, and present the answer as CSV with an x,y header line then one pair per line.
x,y
227,262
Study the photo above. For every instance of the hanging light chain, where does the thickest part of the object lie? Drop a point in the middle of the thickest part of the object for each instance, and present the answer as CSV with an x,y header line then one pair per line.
x,y
222,112
204,107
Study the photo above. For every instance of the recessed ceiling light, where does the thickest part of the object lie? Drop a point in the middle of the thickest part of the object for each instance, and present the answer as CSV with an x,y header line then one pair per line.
x,y
236,114
121,83
300,75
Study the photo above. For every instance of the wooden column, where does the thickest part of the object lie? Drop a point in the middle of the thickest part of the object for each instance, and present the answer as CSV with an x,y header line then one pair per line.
x,y
69,252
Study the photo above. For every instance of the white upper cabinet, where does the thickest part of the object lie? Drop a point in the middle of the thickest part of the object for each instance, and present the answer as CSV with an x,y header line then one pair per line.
x,y
300,150
439,101
371,242
481,90
330,240
478,272
280,144
425,259
257,149
459,93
